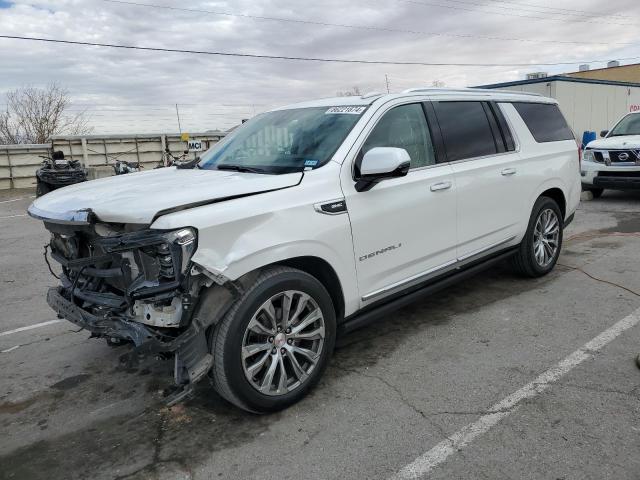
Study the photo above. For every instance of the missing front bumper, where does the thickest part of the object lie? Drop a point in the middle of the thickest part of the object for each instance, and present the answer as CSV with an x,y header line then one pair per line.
x,y
192,357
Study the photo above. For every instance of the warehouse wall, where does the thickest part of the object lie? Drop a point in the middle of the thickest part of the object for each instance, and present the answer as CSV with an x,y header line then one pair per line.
x,y
18,163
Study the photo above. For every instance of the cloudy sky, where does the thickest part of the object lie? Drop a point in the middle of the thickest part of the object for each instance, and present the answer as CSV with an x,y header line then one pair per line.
x,y
127,91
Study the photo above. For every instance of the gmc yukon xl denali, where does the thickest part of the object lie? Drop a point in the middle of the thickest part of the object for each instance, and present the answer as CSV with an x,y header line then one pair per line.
x,y
306,222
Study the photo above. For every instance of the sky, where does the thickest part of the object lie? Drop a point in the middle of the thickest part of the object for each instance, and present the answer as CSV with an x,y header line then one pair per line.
x,y
128,91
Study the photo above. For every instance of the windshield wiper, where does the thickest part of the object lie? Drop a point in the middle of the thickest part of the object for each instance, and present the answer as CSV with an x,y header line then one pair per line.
x,y
239,168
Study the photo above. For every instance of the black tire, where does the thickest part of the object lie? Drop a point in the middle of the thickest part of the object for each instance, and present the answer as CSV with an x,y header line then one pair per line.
x,y
42,188
227,338
524,261
596,192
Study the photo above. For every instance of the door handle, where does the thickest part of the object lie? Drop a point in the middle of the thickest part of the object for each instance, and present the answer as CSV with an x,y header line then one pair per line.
x,y
440,186
508,171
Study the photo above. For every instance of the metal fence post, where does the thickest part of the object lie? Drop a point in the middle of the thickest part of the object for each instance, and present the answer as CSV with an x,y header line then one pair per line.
x,y
137,151
85,154
11,181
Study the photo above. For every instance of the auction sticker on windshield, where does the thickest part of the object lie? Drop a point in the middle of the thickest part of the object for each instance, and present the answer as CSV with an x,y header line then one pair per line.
x,y
353,110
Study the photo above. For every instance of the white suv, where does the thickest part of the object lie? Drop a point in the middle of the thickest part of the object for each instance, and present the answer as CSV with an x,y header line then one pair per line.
x,y
613,161
308,221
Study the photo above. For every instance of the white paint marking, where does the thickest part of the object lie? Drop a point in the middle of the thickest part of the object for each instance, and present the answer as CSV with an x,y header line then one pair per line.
x,y
438,454
10,349
17,199
14,216
29,327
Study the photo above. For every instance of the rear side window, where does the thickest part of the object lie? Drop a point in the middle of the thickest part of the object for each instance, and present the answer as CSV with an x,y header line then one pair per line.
x,y
545,122
465,128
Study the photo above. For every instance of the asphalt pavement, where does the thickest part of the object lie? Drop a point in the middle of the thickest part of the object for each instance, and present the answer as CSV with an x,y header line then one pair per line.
x,y
498,377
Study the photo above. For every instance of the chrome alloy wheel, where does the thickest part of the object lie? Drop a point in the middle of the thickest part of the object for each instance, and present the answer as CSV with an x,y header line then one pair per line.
x,y
546,236
283,342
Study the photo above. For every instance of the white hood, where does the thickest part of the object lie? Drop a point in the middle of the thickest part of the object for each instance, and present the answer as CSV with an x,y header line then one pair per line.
x,y
631,142
138,197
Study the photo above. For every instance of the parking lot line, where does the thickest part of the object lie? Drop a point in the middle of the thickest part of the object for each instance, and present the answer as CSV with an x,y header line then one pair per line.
x,y
14,216
17,199
438,454
29,327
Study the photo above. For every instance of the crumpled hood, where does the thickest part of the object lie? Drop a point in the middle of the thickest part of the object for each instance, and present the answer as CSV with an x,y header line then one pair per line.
x,y
138,197
631,142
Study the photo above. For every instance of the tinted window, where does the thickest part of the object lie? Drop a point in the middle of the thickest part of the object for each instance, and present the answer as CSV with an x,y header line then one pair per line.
x,y
545,122
404,127
505,132
465,130
629,125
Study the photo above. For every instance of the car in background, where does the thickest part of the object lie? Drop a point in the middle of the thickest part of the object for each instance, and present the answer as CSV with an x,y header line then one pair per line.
x,y
613,162
307,222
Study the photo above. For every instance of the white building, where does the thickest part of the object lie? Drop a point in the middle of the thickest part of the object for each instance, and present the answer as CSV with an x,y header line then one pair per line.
x,y
587,104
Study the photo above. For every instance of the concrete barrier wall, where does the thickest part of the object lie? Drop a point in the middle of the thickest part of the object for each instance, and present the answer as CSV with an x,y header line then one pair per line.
x,y
18,163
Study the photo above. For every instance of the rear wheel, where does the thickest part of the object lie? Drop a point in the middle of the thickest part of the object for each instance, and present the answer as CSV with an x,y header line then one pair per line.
x,y
540,247
273,345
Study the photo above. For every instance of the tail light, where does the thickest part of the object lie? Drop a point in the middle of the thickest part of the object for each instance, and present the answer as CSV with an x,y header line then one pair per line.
x,y
579,145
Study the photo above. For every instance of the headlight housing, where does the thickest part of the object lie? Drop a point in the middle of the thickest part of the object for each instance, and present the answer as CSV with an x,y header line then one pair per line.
x,y
588,156
153,261
183,240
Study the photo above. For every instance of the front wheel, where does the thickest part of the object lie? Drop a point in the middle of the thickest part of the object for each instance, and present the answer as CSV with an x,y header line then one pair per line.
x,y
540,248
596,192
273,345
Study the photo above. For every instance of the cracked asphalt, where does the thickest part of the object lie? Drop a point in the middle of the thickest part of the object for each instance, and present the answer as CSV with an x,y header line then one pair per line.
x,y
70,410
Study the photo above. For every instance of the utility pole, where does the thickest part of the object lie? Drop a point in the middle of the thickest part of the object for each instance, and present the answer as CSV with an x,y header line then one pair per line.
x,y
386,79
178,115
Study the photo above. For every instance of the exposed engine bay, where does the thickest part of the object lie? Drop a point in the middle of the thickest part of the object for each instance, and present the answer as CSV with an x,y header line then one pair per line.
x,y
129,283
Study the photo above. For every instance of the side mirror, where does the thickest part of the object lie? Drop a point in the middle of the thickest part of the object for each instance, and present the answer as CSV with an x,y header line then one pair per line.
x,y
604,133
381,163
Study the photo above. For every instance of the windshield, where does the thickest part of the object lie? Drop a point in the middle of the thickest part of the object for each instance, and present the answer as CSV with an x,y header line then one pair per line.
x,y
629,125
284,141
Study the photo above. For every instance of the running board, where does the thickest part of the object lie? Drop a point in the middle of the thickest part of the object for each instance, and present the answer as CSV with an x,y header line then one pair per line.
x,y
377,312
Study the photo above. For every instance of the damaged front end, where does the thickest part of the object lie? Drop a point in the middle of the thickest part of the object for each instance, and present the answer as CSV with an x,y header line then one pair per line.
x,y
129,283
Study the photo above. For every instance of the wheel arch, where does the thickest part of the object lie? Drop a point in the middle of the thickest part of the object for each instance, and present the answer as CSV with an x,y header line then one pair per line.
x,y
324,273
554,189
557,195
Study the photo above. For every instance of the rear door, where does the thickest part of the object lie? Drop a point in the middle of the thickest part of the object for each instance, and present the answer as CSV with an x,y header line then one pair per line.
x,y
482,153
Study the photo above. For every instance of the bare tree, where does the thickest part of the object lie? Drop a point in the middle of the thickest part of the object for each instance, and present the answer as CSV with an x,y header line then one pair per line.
x,y
354,92
32,115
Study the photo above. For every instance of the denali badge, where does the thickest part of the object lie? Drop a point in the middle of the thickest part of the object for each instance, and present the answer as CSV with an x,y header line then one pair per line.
x,y
379,252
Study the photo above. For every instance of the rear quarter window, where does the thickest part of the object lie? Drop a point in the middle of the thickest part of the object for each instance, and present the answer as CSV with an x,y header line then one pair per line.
x,y
545,121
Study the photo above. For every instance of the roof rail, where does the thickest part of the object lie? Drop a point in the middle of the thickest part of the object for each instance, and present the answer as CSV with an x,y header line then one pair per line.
x,y
467,90
371,94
